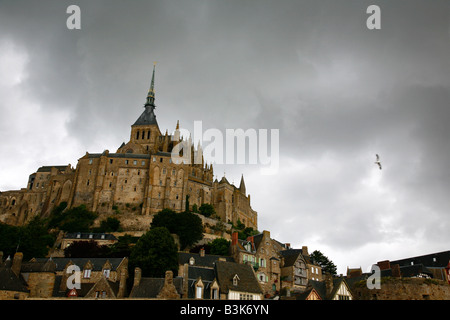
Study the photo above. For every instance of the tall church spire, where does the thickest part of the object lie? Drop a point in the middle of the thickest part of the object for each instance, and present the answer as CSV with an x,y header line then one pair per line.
x,y
242,185
148,116
151,91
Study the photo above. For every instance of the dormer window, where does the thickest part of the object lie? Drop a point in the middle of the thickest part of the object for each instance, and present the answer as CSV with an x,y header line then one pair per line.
x,y
191,261
87,273
78,235
90,236
236,280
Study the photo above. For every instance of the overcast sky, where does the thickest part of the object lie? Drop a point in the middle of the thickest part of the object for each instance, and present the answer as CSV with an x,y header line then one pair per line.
x,y
338,92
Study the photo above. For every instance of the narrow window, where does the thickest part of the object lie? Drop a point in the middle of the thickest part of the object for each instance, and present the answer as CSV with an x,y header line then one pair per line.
x,y
148,134
137,135
199,292
143,134
87,273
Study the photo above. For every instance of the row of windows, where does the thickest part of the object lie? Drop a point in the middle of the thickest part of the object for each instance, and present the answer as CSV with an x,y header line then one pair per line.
x,y
111,161
199,293
142,134
87,273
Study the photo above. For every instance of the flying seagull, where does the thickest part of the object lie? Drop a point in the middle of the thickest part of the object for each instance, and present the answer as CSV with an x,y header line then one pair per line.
x,y
378,161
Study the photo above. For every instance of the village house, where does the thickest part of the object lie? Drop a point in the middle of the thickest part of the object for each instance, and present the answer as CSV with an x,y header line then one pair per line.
x,y
12,284
101,239
329,289
156,288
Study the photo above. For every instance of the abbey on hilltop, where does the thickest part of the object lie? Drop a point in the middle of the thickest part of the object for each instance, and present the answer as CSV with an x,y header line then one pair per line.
x,y
139,179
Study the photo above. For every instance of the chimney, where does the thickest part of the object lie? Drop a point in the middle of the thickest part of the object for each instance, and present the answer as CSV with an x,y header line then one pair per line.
x,y
17,263
137,276
234,238
328,284
396,271
287,245
251,240
384,265
305,251
202,252
122,283
185,280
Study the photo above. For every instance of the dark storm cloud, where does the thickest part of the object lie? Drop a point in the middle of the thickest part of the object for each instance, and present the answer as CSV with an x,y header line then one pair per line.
x,y
338,92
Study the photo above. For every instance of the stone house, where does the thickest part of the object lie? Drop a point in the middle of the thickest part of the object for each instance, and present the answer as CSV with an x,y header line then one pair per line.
x,y
98,277
100,238
12,283
263,254
313,270
217,277
294,270
201,283
237,281
156,288
331,288
200,259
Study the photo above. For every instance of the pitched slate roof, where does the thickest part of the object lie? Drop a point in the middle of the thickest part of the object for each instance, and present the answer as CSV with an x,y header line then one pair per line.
x,y
90,235
38,266
208,260
97,263
290,256
49,168
226,271
438,259
206,275
150,287
321,289
9,281
147,117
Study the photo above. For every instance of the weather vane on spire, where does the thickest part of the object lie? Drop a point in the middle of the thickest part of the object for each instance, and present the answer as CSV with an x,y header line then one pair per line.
x,y
151,91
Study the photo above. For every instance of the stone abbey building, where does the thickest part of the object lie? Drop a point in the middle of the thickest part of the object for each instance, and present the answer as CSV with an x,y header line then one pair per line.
x,y
141,178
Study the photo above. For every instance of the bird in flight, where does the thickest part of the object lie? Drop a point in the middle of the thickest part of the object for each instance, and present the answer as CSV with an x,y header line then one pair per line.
x,y
378,161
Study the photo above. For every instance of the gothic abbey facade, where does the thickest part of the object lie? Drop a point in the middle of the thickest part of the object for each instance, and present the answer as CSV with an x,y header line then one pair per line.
x,y
141,178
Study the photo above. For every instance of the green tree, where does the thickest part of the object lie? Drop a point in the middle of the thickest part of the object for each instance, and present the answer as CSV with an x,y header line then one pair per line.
x,y
110,224
85,249
220,246
187,225
56,215
189,229
33,239
77,219
155,253
122,248
326,264
207,210
244,232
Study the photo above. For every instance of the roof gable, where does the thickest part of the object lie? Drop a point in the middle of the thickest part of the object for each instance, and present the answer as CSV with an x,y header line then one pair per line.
x,y
226,271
